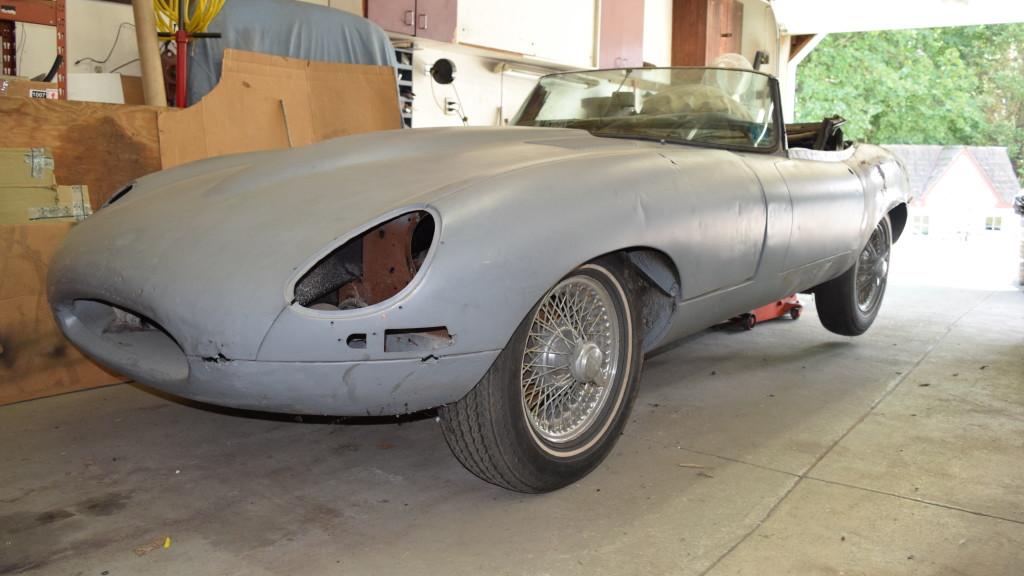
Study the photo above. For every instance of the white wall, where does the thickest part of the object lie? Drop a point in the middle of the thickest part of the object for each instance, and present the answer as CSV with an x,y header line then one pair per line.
x,y
92,27
760,33
658,32
35,49
488,98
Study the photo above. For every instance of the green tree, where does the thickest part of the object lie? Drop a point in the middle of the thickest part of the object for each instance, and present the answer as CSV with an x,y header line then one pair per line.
x,y
943,86
996,53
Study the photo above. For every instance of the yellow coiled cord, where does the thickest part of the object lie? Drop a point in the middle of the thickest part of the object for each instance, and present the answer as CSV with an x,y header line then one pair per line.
x,y
197,18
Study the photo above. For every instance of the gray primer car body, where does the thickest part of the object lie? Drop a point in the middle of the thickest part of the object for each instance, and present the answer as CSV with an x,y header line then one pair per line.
x,y
204,258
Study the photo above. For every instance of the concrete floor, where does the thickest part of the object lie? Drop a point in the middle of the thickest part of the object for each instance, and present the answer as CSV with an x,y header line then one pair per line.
x,y
784,450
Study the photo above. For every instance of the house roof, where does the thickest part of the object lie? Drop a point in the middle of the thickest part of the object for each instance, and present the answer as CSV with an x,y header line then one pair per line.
x,y
926,164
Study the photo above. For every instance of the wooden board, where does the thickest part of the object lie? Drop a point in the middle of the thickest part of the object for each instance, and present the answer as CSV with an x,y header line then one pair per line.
x,y
35,358
103,146
265,102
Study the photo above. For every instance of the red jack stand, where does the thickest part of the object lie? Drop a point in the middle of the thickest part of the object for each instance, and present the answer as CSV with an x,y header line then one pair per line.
x,y
181,37
776,309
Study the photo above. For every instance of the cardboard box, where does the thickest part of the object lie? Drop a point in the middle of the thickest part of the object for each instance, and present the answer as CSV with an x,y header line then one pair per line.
x,y
35,358
71,204
26,168
29,192
26,181
133,92
17,203
264,102
15,86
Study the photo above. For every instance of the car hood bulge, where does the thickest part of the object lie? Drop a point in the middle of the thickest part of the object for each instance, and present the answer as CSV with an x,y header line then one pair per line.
x,y
206,249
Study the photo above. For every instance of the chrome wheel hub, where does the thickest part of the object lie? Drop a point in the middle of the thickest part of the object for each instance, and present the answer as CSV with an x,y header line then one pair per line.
x,y
586,362
570,359
873,269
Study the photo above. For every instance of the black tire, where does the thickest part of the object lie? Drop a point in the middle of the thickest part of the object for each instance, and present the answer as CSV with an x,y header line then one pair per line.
x,y
848,305
557,398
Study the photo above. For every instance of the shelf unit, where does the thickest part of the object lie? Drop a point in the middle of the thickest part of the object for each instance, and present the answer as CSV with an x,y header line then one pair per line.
x,y
43,12
405,95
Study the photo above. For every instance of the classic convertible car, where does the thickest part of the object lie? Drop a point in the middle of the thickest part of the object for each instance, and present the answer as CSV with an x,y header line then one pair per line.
x,y
512,278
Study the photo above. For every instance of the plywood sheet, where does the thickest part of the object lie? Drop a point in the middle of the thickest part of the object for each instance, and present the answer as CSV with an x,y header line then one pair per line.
x,y
102,146
15,86
265,102
35,358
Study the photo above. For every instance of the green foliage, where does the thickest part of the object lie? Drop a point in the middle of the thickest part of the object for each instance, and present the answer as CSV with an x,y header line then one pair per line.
x,y
944,86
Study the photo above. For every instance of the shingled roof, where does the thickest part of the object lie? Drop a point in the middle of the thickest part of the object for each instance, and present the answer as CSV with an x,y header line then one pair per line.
x,y
926,164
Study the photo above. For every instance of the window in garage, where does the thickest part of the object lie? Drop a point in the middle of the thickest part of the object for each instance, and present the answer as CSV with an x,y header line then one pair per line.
x,y
920,225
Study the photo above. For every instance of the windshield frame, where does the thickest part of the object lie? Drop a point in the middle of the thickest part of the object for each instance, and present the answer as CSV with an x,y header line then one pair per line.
x,y
614,103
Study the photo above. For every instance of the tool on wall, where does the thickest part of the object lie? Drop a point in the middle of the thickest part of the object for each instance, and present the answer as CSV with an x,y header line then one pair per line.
x,y
183,21
443,72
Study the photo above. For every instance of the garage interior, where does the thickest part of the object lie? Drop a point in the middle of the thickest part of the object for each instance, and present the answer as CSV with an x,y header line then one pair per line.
x,y
785,449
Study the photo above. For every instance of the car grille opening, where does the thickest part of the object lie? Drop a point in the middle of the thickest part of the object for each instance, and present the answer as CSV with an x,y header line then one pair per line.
x,y
369,268
157,354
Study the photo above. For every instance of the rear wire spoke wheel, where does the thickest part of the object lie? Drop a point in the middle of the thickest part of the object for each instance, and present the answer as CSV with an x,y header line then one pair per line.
x,y
555,401
848,304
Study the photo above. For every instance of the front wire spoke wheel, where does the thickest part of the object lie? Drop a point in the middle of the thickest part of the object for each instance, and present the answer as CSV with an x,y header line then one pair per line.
x,y
570,354
557,398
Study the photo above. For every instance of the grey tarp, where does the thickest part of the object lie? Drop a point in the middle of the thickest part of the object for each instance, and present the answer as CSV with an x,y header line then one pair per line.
x,y
285,28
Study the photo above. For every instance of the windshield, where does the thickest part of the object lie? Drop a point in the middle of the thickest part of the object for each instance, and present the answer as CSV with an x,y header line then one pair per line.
x,y
711,106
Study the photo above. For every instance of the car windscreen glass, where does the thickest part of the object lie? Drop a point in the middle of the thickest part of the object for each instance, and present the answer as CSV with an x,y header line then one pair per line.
x,y
712,106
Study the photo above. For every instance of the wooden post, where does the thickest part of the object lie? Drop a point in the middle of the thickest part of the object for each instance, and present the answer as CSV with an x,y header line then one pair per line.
x,y
149,53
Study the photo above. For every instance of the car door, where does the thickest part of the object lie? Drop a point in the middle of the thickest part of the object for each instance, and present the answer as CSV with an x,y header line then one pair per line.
x,y
827,207
714,219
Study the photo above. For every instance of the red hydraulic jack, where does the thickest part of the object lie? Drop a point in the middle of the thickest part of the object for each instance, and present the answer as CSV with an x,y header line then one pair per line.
x,y
776,309
181,37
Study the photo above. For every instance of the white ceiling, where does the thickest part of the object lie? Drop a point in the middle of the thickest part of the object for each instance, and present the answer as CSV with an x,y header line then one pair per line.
x,y
817,16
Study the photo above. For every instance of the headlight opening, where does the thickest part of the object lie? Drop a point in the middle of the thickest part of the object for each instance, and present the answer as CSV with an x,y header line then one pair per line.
x,y
369,268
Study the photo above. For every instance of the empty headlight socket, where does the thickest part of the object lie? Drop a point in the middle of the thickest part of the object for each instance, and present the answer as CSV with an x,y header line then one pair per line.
x,y
370,268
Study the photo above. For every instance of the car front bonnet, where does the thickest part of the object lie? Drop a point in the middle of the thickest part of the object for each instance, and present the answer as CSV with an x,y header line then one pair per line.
x,y
206,250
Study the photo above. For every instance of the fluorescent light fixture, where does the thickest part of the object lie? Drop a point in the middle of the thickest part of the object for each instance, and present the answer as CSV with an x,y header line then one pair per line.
x,y
520,71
